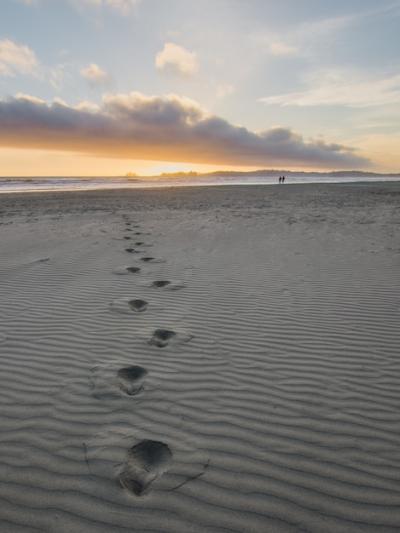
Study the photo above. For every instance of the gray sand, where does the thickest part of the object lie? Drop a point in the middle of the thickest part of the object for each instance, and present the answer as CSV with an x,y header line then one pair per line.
x,y
259,391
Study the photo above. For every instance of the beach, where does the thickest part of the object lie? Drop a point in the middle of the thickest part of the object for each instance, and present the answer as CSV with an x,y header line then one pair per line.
x,y
203,359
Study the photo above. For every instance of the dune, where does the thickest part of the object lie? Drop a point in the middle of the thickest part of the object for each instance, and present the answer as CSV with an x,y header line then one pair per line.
x,y
233,366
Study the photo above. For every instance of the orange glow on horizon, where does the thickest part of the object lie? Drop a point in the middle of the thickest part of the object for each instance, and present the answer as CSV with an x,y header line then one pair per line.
x,y
19,162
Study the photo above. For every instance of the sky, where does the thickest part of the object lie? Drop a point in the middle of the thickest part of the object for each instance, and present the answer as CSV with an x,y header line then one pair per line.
x,y
106,87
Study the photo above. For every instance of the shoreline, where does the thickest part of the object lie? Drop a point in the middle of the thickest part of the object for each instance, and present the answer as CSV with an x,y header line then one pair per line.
x,y
151,186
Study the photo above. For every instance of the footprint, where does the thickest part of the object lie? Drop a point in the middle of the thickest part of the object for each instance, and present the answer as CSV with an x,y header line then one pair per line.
x,y
130,379
161,337
127,306
160,283
146,462
127,238
125,270
138,305
141,243
113,382
167,284
132,251
133,270
152,260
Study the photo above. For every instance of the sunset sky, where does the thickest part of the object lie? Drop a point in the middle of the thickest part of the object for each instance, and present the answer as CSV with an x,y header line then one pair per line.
x,y
103,87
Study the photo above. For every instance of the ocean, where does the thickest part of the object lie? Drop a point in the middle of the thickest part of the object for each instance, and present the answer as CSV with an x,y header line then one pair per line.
x,y
20,185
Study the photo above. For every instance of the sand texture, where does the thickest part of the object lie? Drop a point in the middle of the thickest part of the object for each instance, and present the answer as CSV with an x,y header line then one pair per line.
x,y
201,360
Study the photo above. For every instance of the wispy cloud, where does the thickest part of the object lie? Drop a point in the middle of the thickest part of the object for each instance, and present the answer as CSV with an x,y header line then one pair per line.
x,y
280,48
301,38
122,6
169,128
16,59
342,87
306,38
176,59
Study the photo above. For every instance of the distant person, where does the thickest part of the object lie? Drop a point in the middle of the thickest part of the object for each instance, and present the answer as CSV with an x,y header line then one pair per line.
x,y
280,179
283,179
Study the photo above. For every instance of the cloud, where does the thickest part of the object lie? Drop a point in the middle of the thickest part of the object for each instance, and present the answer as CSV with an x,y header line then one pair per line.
x,y
122,6
94,74
304,38
177,60
167,128
16,59
30,98
279,48
309,38
338,87
56,76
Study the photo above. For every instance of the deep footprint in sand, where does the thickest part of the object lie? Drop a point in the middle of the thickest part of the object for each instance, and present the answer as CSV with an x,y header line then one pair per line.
x,y
133,270
126,270
129,306
160,283
130,379
161,337
127,238
170,285
146,462
138,305
113,381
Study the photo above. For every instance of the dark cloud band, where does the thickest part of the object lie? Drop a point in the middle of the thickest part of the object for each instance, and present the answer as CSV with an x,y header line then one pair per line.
x,y
170,128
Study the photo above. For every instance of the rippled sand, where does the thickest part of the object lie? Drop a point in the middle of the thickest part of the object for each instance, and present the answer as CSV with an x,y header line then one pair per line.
x,y
201,360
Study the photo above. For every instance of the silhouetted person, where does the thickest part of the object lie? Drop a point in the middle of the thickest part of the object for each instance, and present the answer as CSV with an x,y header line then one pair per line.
x,y
280,179
283,179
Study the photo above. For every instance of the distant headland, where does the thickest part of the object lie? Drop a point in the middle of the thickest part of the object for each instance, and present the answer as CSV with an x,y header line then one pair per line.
x,y
269,173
